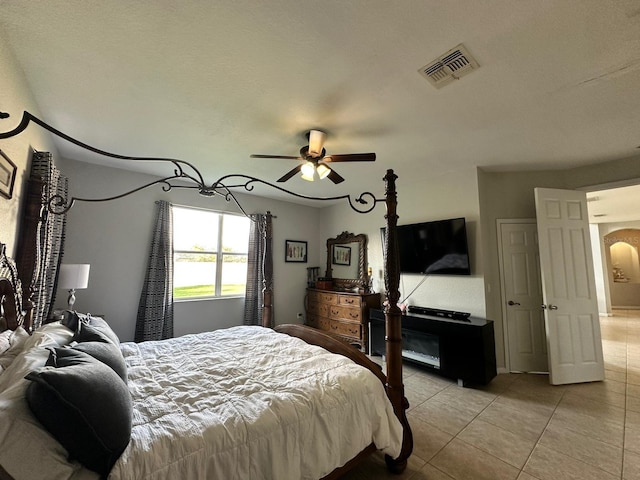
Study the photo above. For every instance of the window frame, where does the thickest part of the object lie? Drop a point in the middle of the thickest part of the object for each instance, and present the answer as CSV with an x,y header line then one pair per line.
x,y
219,254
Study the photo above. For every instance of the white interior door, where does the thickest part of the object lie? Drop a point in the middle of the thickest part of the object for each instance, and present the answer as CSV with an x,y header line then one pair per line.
x,y
524,327
568,287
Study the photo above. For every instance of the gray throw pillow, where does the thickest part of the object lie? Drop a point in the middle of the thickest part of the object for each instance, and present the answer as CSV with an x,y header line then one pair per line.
x,y
86,406
77,322
106,352
91,333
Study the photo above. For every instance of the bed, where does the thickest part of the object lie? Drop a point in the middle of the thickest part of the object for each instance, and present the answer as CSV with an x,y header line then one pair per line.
x,y
247,402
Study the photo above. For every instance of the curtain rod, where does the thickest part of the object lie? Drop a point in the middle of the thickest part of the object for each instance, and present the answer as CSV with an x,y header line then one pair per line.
x,y
183,171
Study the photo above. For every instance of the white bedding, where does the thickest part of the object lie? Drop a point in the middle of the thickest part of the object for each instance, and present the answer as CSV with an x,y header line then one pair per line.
x,y
244,403
249,403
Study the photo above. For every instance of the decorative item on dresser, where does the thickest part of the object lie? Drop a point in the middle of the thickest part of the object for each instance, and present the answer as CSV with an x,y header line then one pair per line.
x,y
347,262
345,314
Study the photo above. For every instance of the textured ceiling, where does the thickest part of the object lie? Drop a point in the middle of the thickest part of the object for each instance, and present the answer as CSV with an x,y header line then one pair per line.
x,y
213,82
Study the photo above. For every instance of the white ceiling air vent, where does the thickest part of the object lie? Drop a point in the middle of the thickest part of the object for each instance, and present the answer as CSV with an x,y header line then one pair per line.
x,y
454,64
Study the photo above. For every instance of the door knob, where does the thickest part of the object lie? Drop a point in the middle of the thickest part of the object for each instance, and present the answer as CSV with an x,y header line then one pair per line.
x,y
511,302
553,307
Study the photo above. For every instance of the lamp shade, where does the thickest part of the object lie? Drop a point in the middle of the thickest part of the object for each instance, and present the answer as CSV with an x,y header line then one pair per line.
x,y
322,170
73,275
308,169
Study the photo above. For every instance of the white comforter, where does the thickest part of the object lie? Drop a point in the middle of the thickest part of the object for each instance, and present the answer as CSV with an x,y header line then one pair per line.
x,y
249,403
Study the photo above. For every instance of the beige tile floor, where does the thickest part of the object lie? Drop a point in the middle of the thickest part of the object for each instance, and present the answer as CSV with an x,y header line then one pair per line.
x,y
521,427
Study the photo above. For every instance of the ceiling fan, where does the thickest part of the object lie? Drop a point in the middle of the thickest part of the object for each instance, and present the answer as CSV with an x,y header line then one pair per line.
x,y
314,162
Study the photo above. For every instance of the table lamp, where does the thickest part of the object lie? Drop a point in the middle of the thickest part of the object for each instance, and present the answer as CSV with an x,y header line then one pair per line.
x,y
73,276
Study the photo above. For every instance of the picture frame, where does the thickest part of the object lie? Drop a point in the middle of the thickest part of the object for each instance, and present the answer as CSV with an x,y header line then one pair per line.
x,y
341,255
8,171
295,251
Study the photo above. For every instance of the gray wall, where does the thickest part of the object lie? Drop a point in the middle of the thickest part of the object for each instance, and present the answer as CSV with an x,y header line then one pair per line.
x,y
15,97
114,238
454,194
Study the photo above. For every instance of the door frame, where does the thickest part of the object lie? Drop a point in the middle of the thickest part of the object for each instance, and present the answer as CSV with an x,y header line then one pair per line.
x,y
602,270
503,298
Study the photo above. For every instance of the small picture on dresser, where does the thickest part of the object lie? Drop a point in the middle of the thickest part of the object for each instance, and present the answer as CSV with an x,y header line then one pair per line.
x,y
341,255
295,251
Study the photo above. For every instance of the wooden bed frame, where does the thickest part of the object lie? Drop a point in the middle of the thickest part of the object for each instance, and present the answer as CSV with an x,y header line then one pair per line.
x,y
392,381
393,318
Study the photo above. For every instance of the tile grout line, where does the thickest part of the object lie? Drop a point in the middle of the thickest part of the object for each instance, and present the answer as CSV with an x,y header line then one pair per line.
x,y
454,437
542,433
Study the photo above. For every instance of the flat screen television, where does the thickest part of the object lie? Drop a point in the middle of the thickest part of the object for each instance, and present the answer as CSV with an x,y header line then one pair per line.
x,y
434,248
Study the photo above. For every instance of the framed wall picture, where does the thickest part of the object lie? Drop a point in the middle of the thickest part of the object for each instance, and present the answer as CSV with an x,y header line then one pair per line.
x,y
295,251
7,175
341,255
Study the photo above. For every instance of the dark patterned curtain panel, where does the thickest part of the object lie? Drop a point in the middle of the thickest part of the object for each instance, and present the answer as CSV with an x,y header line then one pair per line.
x,y
255,270
155,310
41,244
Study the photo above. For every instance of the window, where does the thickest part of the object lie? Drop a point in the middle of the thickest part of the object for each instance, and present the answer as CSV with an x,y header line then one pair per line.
x,y
210,253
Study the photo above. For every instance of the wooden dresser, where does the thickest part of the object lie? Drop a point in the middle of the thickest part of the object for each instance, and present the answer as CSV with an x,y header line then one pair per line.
x,y
345,314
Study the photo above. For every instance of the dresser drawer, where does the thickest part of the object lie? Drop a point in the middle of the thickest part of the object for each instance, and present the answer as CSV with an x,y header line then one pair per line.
x,y
316,321
312,320
349,300
346,328
345,313
323,297
342,313
319,308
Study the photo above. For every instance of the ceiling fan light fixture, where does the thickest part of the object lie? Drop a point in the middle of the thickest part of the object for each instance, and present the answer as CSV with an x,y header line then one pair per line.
x,y
314,161
316,142
322,170
308,169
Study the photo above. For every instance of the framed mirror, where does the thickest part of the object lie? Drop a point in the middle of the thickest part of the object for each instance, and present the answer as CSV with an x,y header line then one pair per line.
x,y
347,261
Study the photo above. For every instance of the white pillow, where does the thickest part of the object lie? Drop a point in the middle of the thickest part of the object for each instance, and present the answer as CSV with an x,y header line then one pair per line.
x,y
4,341
16,340
22,437
17,358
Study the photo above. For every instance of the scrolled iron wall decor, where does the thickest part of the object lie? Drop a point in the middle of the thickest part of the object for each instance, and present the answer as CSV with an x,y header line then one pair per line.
x,y
183,171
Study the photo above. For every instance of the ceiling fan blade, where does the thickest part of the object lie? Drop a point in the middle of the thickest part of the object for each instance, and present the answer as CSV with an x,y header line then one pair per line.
x,y
351,157
335,177
275,156
290,174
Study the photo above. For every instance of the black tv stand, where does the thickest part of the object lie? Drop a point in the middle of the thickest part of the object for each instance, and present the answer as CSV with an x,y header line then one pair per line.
x,y
462,349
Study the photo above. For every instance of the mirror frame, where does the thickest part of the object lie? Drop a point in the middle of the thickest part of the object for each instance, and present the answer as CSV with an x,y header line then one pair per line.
x,y
361,282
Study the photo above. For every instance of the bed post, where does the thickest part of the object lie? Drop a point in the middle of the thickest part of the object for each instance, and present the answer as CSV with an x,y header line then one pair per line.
x,y
393,326
267,290
28,248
